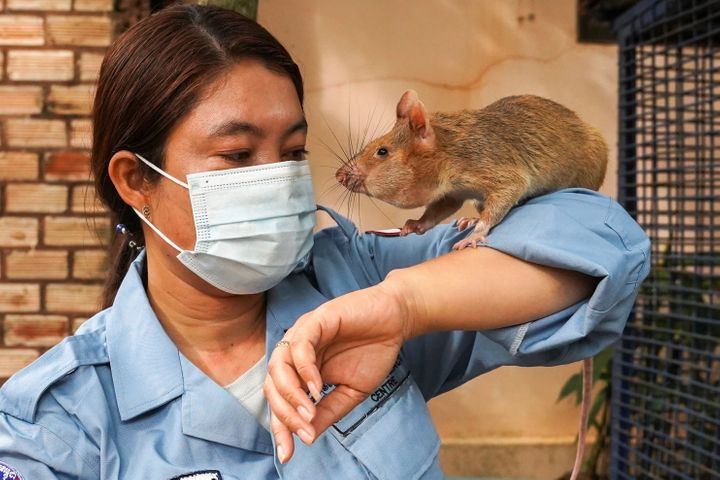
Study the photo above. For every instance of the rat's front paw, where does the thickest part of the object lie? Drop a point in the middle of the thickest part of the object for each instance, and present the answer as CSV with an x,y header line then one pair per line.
x,y
415,226
465,222
475,238
471,240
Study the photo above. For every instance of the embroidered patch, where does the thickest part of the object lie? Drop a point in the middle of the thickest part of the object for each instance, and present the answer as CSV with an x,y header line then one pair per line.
x,y
9,473
199,475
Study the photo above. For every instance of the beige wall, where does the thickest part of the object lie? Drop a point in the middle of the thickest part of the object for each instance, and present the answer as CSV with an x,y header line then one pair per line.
x,y
357,59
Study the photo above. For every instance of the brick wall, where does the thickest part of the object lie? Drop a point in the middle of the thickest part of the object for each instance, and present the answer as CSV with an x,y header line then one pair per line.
x,y
52,232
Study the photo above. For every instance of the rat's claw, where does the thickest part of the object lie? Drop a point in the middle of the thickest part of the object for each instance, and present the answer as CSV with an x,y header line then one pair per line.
x,y
472,240
465,222
413,226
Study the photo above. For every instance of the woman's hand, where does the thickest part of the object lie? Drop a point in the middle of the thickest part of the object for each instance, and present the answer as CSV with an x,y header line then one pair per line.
x,y
351,342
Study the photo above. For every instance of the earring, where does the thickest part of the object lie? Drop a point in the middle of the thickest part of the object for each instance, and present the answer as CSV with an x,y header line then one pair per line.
x,y
146,211
132,244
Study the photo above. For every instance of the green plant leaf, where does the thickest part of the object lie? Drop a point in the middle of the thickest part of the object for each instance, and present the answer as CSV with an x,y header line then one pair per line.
x,y
573,385
597,405
601,363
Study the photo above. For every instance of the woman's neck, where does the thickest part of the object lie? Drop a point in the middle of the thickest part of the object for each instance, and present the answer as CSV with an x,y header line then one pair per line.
x,y
223,335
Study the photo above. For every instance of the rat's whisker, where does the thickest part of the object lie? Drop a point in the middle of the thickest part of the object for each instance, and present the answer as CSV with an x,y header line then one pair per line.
x,y
330,189
351,147
365,140
337,140
380,210
344,198
379,122
342,159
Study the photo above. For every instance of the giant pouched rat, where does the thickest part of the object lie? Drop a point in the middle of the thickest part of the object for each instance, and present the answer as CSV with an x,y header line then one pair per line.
x,y
507,152
515,148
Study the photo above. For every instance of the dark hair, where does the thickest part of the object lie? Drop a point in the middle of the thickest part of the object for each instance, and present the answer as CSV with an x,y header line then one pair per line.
x,y
150,78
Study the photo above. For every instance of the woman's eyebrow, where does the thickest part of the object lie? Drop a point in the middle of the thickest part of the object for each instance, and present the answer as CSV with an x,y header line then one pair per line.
x,y
235,127
299,126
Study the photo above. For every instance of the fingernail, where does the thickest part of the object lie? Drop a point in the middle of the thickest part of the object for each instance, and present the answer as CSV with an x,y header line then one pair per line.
x,y
305,436
281,453
314,391
305,413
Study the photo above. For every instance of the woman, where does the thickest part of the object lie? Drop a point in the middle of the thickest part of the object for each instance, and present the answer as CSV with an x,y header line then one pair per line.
x,y
198,150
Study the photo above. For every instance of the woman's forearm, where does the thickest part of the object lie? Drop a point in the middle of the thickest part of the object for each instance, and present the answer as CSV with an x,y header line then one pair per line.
x,y
483,288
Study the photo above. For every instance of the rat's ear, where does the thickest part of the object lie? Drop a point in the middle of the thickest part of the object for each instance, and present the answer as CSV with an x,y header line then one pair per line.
x,y
419,122
406,103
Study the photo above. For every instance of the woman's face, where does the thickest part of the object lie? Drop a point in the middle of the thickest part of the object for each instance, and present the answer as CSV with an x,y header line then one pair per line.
x,y
249,116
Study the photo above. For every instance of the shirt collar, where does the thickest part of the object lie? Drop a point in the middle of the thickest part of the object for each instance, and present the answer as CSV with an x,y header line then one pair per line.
x,y
149,371
145,363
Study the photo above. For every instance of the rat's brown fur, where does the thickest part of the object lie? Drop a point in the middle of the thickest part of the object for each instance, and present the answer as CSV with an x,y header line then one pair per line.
x,y
511,150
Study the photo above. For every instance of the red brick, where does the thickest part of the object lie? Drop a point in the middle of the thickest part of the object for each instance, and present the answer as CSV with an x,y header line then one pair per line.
x,y
40,65
21,30
18,166
36,197
73,297
77,322
14,359
90,264
94,5
18,232
34,330
79,30
16,100
19,297
67,165
84,200
42,5
35,132
81,134
90,66
76,231
37,264
75,100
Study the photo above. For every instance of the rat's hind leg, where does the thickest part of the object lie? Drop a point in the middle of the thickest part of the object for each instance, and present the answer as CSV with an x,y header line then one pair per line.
x,y
495,207
435,213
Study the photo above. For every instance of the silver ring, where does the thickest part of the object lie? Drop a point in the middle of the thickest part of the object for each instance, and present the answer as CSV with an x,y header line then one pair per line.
x,y
282,343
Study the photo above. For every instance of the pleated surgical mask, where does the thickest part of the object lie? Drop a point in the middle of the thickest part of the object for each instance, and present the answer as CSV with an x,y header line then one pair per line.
x,y
253,225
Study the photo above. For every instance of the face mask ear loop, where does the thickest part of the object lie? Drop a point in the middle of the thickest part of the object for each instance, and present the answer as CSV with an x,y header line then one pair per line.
x,y
162,172
160,234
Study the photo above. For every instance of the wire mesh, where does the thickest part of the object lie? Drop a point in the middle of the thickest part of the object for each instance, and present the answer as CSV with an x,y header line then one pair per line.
x,y
666,371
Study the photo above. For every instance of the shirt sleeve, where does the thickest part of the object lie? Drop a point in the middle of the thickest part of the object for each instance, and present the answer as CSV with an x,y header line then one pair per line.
x,y
573,229
35,451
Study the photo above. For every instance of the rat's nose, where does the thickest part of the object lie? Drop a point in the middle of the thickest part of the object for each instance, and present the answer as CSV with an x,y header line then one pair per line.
x,y
341,176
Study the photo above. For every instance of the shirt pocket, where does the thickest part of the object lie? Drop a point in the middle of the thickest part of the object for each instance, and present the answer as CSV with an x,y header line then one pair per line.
x,y
391,433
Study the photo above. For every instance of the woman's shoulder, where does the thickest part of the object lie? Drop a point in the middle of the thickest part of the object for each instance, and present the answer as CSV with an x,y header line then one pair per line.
x,y
72,360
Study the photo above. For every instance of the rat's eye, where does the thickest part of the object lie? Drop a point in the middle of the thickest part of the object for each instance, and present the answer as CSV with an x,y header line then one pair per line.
x,y
382,151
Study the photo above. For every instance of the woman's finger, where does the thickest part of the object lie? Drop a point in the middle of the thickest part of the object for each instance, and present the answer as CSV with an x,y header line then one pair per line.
x,y
288,384
285,412
283,439
335,405
305,363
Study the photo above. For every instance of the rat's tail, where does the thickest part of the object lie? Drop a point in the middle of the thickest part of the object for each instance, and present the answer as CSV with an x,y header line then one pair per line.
x,y
584,414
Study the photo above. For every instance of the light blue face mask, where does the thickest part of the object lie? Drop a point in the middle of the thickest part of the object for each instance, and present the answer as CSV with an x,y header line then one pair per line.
x,y
253,225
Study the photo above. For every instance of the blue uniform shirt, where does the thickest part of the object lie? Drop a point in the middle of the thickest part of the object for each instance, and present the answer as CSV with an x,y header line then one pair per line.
x,y
117,400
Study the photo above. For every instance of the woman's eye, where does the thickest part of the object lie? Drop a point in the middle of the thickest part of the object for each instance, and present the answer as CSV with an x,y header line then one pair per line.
x,y
382,151
241,156
297,155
